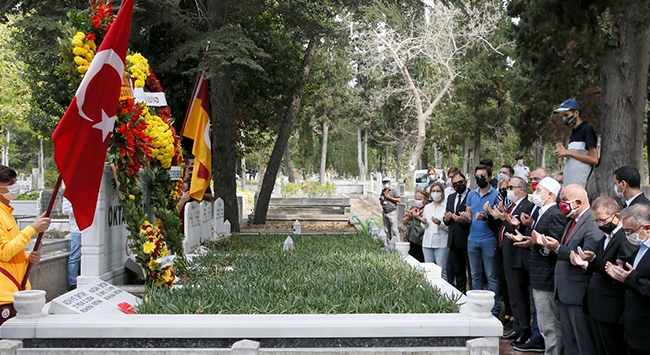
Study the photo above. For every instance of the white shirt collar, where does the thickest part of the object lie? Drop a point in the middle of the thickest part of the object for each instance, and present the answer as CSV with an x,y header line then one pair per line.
x,y
627,202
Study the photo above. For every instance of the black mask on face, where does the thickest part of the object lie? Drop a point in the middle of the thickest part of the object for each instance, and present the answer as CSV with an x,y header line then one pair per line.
x,y
570,121
460,188
482,182
608,228
503,192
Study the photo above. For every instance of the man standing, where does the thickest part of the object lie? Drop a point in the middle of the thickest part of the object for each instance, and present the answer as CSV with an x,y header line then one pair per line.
x,y
605,297
481,243
581,153
570,281
13,259
389,198
520,169
517,279
458,221
635,274
550,223
627,186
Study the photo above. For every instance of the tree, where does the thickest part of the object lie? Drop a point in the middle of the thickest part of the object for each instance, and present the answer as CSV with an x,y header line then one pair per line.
x,y
441,38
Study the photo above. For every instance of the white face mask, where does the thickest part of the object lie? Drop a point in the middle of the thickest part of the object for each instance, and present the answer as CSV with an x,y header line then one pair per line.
x,y
418,203
14,191
618,194
520,162
436,196
432,178
633,238
537,200
512,196
387,186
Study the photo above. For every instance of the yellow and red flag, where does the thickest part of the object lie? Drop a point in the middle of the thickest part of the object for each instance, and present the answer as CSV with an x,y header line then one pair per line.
x,y
197,127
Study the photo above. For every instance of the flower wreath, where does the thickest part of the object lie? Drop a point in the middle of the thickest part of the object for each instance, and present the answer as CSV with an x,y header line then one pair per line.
x,y
143,140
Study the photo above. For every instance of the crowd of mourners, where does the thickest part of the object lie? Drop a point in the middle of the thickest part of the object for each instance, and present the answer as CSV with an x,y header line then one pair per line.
x,y
569,275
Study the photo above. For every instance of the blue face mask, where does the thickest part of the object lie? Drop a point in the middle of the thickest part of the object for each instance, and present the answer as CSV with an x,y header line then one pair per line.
x,y
501,176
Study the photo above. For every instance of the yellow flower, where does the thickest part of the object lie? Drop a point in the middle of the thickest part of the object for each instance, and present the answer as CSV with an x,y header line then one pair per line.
x,y
148,247
152,265
82,69
131,197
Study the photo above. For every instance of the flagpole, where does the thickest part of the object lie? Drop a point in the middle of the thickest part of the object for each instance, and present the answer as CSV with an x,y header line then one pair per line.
x,y
39,239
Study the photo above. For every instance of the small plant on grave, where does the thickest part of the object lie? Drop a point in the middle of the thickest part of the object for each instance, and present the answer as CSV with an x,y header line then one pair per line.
x,y
288,189
329,188
151,250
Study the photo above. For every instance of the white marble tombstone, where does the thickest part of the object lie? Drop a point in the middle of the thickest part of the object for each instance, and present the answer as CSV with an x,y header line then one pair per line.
x,y
218,227
97,297
206,221
192,227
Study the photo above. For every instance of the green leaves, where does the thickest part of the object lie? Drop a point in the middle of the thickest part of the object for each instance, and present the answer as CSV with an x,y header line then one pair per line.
x,y
324,275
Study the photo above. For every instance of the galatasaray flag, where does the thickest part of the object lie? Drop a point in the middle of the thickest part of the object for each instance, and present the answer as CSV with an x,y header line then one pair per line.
x,y
197,127
81,138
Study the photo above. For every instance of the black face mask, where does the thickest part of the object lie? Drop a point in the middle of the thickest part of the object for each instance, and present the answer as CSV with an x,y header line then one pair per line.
x,y
504,193
482,182
570,121
460,188
608,228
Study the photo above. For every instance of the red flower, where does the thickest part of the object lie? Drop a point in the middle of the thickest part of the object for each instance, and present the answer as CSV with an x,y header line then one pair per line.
x,y
90,37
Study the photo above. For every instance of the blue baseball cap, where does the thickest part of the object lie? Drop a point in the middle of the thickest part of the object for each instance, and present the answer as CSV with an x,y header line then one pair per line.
x,y
568,104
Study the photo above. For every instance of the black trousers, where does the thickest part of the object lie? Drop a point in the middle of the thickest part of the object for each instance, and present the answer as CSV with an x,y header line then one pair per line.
x,y
460,263
518,281
610,338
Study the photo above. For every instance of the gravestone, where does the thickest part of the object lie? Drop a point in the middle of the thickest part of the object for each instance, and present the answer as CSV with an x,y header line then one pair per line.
x,y
192,227
218,227
44,199
97,297
206,221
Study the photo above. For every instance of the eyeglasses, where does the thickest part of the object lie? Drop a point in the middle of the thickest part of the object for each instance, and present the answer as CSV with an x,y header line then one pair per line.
x,y
480,176
510,187
459,183
604,221
627,232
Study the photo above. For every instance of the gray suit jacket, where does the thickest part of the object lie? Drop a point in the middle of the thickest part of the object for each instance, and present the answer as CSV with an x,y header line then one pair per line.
x,y
570,281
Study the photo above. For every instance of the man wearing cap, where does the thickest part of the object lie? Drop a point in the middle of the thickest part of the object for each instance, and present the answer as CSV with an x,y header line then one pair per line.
x,y
520,169
389,198
581,154
551,223
571,281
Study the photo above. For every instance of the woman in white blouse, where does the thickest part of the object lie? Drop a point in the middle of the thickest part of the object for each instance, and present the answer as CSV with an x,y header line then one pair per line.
x,y
434,244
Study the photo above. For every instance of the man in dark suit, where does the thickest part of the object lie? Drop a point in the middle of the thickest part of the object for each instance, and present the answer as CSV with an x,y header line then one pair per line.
x,y
627,185
458,221
517,279
550,223
635,274
570,281
605,296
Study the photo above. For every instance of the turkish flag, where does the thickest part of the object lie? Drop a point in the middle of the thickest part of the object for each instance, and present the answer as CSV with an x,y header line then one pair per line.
x,y
81,138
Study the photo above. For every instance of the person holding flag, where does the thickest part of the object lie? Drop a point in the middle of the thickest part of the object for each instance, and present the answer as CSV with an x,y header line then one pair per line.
x,y
13,259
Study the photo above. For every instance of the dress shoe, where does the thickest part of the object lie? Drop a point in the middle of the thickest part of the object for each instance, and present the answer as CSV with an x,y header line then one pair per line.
x,y
529,347
522,338
507,324
512,335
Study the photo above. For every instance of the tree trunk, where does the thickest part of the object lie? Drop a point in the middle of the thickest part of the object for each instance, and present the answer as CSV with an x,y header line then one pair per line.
x,y
224,162
465,156
424,159
476,158
323,153
243,170
41,167
262,206
624,79
365,153
437,153
398,160
362,167
288,167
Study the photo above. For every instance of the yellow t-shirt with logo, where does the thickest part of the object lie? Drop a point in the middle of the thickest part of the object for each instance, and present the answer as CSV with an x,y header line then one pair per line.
x,y
12,255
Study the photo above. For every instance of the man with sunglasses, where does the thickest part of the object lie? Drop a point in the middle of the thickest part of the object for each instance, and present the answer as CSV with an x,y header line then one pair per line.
x,y
481,243
605,298
581,153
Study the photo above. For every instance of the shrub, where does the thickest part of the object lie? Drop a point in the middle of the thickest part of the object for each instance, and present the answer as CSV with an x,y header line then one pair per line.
x,y
32,195
289,189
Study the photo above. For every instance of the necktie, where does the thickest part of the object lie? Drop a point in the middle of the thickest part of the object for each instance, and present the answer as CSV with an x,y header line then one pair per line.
x,y
459,197
568,232
503,227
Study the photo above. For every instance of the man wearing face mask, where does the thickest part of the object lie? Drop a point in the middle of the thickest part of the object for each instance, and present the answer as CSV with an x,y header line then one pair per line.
x,y
520,169
389,198
13,259
627,186
458,221
634,272
550,222
433,177
481,243
570,281
581,154
605,297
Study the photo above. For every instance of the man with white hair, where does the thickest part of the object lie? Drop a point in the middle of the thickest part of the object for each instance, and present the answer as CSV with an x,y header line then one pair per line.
x,y
550,223
571,281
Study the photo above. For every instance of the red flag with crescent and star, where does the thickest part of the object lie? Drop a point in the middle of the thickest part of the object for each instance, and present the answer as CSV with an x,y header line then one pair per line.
x,y
81,138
